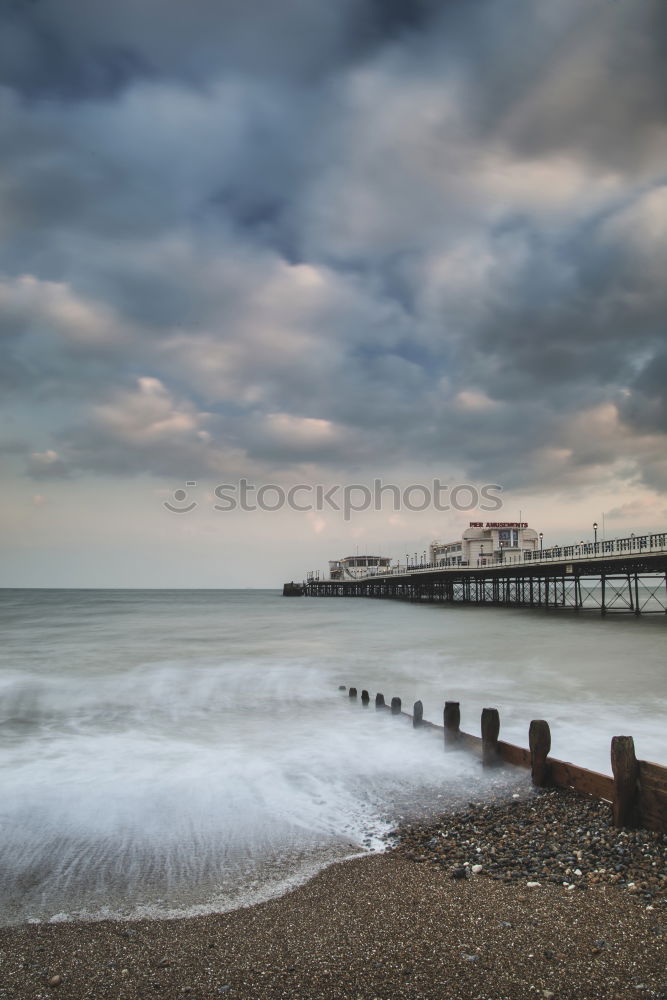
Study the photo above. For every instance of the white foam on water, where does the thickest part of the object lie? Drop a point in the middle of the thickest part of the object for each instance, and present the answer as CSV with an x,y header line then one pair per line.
x,y
145,783
169,754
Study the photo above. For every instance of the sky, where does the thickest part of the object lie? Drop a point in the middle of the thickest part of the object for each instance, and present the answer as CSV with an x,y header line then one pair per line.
x,y
317,243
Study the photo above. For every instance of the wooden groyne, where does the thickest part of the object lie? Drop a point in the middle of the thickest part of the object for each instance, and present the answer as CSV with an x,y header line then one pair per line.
x,y
637,792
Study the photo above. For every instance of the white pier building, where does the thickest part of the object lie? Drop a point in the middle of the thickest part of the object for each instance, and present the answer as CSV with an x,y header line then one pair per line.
x,y
482,543
485,542
358,567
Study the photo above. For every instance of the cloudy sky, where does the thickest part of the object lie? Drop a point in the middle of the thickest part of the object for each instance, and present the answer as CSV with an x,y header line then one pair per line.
x,y
315,242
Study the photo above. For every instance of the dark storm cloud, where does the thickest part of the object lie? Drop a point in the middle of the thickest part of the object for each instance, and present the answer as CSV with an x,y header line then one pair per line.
x,y
646,407
364,233
38,59
69,49
576,315
392,18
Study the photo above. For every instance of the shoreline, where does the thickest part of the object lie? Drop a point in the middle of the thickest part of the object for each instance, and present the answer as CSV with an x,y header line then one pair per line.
x,y
273,875
405,923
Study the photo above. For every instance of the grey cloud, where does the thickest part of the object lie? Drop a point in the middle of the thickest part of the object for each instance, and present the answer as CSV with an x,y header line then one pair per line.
x,y
645,406
47,465
465,185
590,79
39,59
13,446
71,50
138,426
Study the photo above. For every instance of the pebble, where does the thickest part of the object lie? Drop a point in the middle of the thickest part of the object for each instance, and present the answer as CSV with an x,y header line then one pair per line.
x,y
531,839
385,927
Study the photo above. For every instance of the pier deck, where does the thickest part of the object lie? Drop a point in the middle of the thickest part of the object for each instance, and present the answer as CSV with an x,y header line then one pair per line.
x,y
626,575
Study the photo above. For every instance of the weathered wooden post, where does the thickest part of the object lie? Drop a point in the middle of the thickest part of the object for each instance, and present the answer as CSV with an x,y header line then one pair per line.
x,y
417,714
365,698
626,771
452,722
379,701
539,741
353,692
341,687
490,730
395,706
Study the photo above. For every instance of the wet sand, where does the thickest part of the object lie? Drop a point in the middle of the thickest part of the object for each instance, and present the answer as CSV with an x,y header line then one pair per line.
x,y
415,922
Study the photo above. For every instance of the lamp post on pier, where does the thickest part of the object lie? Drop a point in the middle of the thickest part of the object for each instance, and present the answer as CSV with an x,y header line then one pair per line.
x,y
595,531
541,537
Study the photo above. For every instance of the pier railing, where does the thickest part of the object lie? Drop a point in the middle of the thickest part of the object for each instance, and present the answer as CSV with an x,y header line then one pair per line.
x,y
633,545
637,791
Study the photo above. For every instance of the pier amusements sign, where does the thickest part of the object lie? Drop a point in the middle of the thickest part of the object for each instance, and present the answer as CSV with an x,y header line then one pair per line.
x,y
498,524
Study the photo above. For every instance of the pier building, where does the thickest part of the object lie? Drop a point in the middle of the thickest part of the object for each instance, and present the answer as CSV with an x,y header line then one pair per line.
x,y
485,542
358,567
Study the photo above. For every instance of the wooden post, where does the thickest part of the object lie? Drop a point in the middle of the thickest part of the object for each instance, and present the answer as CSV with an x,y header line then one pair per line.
x,y
452,722
395,706
417,714
379,701
490,730
353,692
625,770
365,698
539,741
341,687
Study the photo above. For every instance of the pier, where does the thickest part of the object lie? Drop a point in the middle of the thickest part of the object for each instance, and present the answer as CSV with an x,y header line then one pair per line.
x,y
617,576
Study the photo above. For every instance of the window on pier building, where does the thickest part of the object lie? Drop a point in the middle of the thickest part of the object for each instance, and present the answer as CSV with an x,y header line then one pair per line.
x,y
508,538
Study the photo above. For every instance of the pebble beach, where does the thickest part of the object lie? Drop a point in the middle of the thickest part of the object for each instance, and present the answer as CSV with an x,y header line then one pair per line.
x,y
532,896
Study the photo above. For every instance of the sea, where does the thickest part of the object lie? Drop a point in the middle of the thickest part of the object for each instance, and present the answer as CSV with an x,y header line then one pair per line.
x,y
167,753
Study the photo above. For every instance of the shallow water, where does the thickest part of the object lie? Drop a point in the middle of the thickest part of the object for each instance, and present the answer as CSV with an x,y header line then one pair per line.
x,y
168,752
